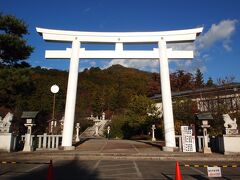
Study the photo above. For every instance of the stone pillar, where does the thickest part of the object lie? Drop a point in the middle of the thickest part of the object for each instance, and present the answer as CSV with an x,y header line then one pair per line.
x,y
71,97
153,132
108,131
103,116
44,140
96,129
170,142
77,132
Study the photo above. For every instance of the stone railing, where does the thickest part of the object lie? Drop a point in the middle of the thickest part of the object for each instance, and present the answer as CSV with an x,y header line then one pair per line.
x,y
45,141
48,141
199,142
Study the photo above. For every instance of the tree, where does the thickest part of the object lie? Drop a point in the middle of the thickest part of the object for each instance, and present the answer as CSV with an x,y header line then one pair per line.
x,y
13,48
181,81
199,82
16,87
225,81
184,110
210,82
141,114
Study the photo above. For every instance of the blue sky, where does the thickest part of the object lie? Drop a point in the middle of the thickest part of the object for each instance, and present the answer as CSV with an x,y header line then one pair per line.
x,y
217,49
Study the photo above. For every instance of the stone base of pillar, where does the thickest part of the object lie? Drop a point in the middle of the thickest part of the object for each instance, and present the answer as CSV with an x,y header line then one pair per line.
x,y
207,150
153,139
67,148
77,139
170,149
27,148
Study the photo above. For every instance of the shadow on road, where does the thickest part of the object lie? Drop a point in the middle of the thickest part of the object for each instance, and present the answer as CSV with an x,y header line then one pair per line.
x,y
154,144
69,170
82,140
166,176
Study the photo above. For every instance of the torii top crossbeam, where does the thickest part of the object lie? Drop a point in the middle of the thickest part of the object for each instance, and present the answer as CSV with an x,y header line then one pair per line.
x,y
119,38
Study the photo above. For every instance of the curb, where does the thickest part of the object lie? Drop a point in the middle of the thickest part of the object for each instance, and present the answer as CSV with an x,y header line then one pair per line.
x,y
117,156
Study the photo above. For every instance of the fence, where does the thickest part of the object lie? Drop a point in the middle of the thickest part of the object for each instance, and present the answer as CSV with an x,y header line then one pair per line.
x,y
45,141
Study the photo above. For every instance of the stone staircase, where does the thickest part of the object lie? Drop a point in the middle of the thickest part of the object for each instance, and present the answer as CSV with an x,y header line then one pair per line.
x,y
90,132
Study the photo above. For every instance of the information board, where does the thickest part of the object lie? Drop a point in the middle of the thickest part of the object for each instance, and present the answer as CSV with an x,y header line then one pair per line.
x,y
214,172
188,139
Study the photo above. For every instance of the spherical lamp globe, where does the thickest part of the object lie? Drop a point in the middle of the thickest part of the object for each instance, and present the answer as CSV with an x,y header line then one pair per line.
x,y
54,89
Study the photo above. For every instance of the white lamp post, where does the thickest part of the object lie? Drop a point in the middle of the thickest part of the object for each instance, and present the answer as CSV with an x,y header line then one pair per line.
x,y
54,90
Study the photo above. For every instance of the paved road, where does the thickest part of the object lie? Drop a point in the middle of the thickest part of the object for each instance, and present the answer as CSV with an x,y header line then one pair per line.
x,y
113,159
112,169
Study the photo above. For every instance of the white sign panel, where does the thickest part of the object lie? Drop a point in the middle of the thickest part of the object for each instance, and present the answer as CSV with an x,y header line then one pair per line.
x,y
188,140
214,172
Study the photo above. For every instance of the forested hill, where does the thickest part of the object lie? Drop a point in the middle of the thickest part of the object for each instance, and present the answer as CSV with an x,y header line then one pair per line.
x,y
108,90
111,89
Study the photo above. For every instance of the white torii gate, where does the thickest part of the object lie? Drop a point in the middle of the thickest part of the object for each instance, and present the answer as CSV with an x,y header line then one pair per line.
x,y
119,38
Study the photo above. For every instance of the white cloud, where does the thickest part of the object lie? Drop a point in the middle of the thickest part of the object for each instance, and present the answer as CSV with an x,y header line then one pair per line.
x,y
142,64
93,63
86,10
218,32
226,45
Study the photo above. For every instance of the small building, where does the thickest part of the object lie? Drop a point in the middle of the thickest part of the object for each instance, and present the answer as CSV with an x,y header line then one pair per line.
x,y
209,99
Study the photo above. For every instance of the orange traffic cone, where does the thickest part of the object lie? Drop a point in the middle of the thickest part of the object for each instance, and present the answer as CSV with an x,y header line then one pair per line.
x,y
178,175
50,171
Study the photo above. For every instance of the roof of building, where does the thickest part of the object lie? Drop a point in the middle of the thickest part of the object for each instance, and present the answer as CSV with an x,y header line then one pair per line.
x,y
219,90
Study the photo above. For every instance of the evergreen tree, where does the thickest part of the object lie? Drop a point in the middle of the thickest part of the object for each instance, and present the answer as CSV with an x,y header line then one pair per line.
x,y
210,82
13,48
199,82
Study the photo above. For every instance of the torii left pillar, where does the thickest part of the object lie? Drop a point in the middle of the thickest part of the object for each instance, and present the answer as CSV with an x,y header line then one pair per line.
x,y
71,97
170,142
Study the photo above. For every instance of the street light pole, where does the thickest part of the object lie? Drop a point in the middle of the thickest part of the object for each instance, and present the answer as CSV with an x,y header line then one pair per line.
x,y
54,90
53,111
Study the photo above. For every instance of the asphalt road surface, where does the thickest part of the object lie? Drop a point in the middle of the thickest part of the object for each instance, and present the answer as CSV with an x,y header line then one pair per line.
x,y
114,169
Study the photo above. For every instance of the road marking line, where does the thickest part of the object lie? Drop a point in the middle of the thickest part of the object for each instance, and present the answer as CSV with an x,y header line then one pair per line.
x,y
115,169
116,165
96,165
102,148
120,174
135,148
36,167
139,174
